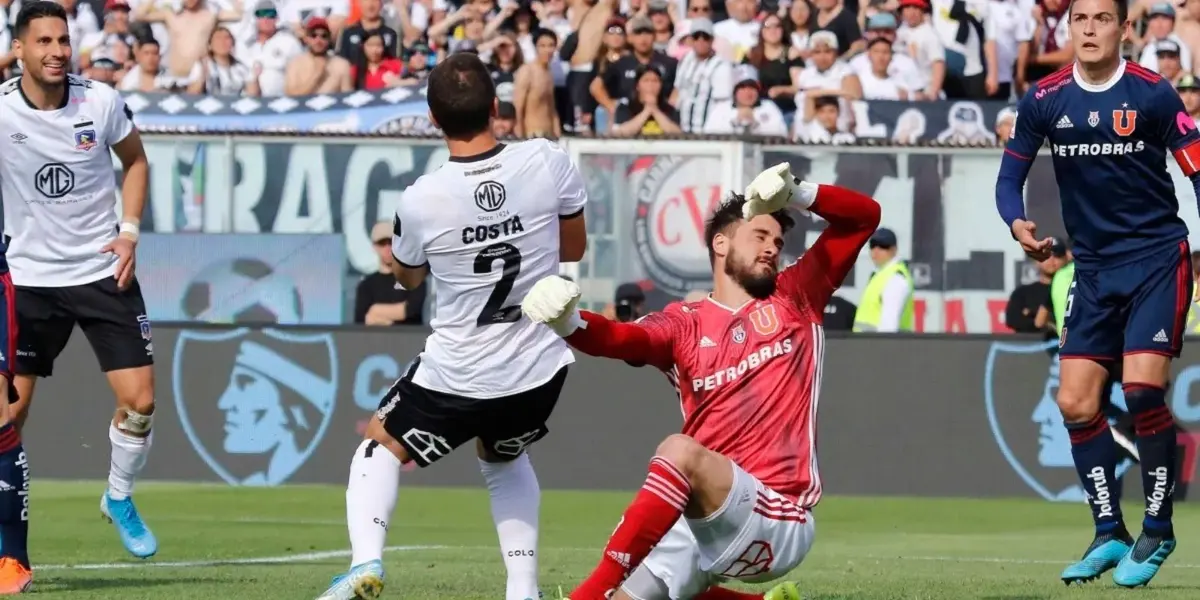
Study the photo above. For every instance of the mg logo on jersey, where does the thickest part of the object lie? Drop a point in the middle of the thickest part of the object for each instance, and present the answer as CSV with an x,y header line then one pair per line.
x,y
261,403
54,180
669,219
1124,122
1026,423
490,196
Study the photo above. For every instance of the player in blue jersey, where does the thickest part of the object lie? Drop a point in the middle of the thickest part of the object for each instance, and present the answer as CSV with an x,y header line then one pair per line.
x,y
1111,124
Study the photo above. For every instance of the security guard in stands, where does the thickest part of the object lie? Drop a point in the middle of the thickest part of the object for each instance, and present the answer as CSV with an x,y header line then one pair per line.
x,y
886,305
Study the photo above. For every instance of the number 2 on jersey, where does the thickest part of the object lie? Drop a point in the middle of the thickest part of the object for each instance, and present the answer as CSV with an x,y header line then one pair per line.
x,y
494,310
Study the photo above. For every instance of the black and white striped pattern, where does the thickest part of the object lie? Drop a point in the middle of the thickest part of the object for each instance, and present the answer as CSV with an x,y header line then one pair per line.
x,y
701,82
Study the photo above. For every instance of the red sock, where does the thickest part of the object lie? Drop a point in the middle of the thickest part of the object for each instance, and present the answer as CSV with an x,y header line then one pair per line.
x,y
720,593
653,512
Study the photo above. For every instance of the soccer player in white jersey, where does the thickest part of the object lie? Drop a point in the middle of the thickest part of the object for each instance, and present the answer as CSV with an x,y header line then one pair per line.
x,y
486,226
71,259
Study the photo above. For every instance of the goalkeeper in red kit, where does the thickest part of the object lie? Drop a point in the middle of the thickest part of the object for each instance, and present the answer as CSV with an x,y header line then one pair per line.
x,y
731,497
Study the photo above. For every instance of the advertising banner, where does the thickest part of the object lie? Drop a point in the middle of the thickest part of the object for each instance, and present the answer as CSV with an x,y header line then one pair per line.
x,y
404,111
243,278
968,416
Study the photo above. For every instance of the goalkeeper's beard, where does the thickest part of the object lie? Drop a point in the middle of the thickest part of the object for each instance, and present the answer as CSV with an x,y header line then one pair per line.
x,y
759,283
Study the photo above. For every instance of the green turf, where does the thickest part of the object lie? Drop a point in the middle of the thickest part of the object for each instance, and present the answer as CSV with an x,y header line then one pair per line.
x,y
866,549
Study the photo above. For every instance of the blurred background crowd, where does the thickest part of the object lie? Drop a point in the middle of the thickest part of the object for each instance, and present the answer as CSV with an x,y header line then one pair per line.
x,y
774,68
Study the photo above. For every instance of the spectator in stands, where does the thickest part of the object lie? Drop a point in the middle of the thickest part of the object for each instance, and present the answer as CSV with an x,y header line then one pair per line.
x,y
778,63
886,305
1189,90
1012,31
149,75
660,13
81,22
959,25
828,76
799,19
416,64
1005,120
116,29
103,69
580,51
505,121
1021,312
747,114
901,69
1187,26
704,78
629,303
375,69
617,80
833,17
350,42
552,15
297,13
271,51
379,300
318,71
459,27
820,122
877,82
740,30
645,113
220,73
918,40
1160,27
190,29
533,94
610,90
506,58
1168,59
1051,40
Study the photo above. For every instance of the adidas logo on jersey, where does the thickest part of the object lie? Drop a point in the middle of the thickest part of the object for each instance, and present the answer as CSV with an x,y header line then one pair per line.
x,y
5,487
1161,337
1064,123
707,343
621,558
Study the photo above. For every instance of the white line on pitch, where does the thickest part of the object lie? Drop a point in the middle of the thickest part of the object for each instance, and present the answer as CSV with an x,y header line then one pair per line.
x,y
261,560
1007,561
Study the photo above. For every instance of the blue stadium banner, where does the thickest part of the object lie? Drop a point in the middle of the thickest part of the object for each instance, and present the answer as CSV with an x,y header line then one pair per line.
x,y
243,278
403,110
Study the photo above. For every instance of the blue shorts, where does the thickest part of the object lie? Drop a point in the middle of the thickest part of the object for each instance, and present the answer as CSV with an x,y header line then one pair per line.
x,y
1137,307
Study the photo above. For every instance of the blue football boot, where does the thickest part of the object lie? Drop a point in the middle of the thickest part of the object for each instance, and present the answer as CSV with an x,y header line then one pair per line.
x,y
361,582
1143,561
137,538
1106,552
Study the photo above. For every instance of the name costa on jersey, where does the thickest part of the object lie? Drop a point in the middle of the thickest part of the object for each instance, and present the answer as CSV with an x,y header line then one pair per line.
x,y
751,362
1118,149
487,232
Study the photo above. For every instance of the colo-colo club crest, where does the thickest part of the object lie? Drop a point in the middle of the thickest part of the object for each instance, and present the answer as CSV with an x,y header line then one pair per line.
x,y
675,196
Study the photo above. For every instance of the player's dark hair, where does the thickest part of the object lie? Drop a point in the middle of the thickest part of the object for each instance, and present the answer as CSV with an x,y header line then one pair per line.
x,y
1122,9
729,213
38,9
461,96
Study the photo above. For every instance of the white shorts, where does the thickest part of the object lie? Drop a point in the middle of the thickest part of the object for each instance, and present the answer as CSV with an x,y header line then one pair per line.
x,y
757,535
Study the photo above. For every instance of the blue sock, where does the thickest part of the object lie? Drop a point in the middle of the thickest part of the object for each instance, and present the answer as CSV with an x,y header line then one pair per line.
x,y
1155,429
1095,455
14,496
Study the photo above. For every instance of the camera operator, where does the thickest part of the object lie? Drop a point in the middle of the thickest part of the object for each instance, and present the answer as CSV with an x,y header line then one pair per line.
x,y
629,303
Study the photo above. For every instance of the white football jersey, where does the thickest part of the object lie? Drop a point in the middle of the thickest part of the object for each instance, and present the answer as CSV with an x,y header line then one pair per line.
x,y
58,183
487,226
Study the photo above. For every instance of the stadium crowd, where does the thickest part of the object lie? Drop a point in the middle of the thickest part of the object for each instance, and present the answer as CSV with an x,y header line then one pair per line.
x,y
616,67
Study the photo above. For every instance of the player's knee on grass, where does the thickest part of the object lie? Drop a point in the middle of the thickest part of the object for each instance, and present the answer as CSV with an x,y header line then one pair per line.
x,y
1081,383
709,473
377,433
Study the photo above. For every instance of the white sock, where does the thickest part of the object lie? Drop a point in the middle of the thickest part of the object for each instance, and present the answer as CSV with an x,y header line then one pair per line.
x,y
515,501
370,500
129,454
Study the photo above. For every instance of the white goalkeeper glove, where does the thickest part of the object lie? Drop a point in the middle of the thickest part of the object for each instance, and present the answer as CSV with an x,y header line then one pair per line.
x,y
552,301
775,189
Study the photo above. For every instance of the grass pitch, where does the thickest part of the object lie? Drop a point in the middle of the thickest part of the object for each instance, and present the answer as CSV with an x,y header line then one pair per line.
x,y
217,542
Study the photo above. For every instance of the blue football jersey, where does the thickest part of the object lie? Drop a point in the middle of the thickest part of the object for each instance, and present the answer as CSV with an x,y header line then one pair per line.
x,y
1109,144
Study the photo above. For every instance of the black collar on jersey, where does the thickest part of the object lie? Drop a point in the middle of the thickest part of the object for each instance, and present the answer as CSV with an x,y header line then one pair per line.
x,y
61,105
478,157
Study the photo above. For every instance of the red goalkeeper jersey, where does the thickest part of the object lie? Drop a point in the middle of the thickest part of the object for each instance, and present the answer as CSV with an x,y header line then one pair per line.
x,y
749,377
